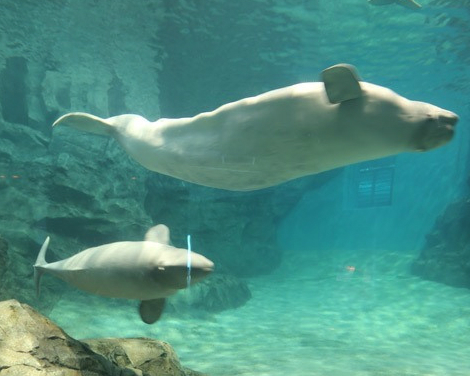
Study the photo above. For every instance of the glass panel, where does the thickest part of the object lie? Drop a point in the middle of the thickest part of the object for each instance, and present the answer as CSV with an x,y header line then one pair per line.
x,y
205,174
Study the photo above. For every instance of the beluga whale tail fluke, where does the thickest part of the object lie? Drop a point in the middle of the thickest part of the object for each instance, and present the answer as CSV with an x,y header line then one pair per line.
x,y
86,122
40,265
280,135
149,270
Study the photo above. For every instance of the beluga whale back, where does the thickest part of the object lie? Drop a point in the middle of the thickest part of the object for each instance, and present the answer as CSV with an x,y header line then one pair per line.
x,y
149,270
280,135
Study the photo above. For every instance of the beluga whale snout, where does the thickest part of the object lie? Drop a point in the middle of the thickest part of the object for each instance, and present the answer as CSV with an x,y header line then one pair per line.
x,y
149,270
436,130
283,134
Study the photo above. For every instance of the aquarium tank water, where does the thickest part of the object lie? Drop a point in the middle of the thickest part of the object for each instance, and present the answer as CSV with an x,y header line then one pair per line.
x,y
235,188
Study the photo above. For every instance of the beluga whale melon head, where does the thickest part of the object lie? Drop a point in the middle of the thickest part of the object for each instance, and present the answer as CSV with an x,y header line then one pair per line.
x,y
148,270
279,135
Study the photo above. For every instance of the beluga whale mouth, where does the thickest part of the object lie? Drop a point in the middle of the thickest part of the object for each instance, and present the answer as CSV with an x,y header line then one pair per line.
x,y
449,120
435,131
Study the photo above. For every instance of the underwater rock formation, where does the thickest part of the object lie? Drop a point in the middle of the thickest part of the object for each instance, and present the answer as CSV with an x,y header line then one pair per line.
x,y
30,345
142,355
16,279
49,189
13,90
3,263
445,257
3,257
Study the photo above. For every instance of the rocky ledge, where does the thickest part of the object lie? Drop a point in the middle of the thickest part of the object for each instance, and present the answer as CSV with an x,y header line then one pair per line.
x,y
32,345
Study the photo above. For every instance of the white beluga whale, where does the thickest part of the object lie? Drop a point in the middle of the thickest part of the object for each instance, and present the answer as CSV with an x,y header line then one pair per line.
x,y
148,270
405,3
280,135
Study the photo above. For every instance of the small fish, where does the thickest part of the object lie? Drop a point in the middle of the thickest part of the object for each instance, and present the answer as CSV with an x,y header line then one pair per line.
x,y
148,270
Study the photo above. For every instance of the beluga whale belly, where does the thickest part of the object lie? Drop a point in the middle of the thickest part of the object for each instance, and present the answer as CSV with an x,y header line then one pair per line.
x,y
149,270
280,135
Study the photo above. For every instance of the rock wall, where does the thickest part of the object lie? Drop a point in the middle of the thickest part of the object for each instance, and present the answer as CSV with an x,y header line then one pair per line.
x,y
70,184
4,262
445,257
66,191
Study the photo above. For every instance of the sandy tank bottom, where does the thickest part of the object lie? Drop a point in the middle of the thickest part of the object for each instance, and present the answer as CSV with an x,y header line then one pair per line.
x,y
335,314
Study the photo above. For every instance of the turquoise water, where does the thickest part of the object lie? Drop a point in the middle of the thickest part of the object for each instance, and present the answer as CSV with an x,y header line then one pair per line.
x,y
316,319
330,272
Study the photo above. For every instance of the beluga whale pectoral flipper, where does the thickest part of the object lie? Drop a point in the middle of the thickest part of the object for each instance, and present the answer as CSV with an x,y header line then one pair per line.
x,y
148,270
280,135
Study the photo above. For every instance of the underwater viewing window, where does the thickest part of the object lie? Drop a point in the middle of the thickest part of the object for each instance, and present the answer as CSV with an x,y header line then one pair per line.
x,y
370,184
374,186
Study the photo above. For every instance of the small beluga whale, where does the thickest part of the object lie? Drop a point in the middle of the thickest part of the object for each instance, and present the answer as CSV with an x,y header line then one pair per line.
x,y
280,135
148,270
405,3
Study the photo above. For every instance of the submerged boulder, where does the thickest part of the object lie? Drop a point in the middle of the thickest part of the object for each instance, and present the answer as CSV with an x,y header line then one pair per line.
x,y
217,293
143,355
32,345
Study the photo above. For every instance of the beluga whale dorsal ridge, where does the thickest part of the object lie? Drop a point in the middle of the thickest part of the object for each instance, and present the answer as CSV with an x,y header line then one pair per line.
x,y
280,135
148,270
